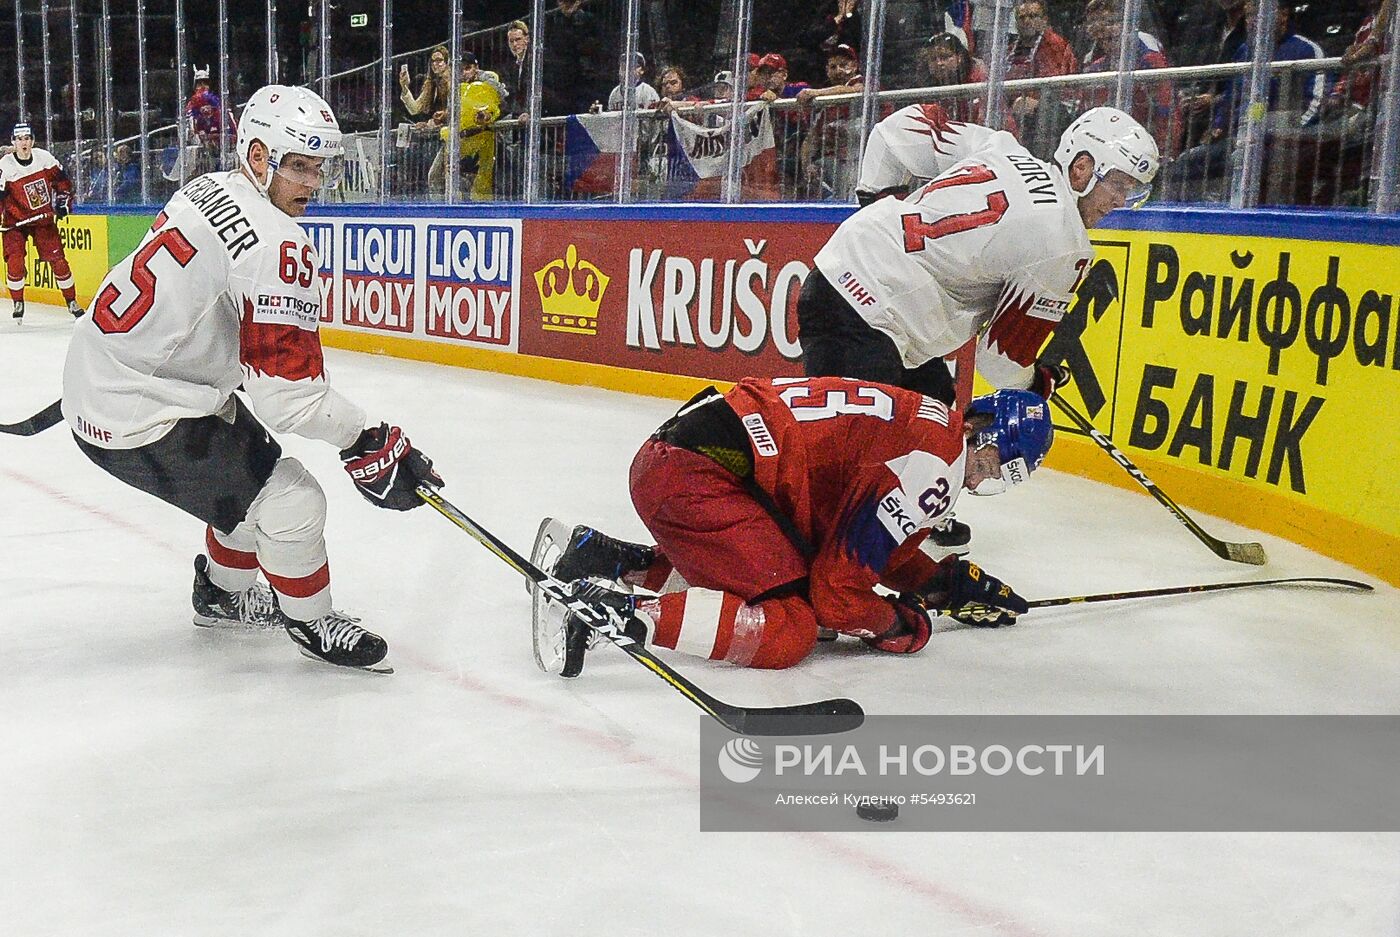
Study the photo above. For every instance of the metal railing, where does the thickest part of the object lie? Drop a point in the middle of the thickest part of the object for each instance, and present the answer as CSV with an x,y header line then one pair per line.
x,y
1263,149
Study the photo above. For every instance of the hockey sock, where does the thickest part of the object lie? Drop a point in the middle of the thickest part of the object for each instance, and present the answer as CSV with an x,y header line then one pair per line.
x,y
230,569
660,576
772,634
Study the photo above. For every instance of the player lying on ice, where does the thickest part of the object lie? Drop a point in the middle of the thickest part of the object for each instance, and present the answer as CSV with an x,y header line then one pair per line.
x,y
223,294
776,509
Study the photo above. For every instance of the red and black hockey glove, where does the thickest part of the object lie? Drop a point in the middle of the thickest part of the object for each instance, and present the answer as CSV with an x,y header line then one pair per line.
x,y
1049,378
911,628
386,468
974,597
60,206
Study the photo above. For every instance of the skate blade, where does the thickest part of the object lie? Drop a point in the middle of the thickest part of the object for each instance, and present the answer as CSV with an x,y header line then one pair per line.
x,y
228,624
380,667
550,540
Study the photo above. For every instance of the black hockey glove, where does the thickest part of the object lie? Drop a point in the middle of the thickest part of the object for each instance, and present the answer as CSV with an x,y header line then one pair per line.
x,y
60,206
386,468
974,597
911,628
1049,378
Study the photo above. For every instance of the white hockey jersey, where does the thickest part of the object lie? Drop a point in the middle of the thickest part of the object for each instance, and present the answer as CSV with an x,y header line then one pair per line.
x,y
993,246
222,292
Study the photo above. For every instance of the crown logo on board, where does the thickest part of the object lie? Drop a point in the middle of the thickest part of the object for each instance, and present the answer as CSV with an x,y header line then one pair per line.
x,y
571,293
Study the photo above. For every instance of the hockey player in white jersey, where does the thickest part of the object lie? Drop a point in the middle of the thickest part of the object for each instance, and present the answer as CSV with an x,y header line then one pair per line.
x,y
992,247
222,294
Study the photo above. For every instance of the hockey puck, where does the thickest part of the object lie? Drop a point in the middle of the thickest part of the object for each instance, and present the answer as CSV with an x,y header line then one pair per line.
x,y
877,810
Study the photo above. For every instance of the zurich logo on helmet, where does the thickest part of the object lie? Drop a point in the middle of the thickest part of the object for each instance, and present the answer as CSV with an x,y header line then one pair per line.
x,y
313,143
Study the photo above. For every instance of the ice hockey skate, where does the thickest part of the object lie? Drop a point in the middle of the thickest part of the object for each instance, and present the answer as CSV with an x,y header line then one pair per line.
x,y
338,639
586,553
335,638
18,314
75,310
562,637
253,609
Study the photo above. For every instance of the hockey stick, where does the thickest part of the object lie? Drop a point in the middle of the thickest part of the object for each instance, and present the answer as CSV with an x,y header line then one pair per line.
x,y
1251,553
49,416
819,718
1205,587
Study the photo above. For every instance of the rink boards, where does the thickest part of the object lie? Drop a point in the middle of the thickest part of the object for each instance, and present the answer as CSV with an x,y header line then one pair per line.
x,y
1249,362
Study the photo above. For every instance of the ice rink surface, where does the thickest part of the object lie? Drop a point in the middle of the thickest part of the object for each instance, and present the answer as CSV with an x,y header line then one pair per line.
x,y
165,780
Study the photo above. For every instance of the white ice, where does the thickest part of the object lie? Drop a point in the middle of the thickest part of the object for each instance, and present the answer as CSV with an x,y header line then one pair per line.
x,y
160,779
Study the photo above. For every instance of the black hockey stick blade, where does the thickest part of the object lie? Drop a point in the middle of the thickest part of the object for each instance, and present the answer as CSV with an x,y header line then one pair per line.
x,y
51,415
818,718
1204,587
1248,553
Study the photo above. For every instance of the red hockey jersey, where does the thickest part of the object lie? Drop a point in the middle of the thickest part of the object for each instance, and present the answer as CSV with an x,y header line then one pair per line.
x,y
30,187
863,471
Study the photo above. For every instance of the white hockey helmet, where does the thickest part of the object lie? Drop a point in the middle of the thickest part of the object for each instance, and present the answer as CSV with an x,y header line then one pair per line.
x,y
22,129
290,120
1115,141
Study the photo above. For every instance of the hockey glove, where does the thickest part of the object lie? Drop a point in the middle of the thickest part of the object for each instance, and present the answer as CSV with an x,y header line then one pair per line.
x,y
911,628
386,468
60,206
974,597
1049,378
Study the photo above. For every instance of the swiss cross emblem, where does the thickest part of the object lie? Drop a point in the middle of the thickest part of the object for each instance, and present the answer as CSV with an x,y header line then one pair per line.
x,y
37,191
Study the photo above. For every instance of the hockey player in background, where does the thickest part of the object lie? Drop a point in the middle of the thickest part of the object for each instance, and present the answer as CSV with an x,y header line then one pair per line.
x,y
222,294
992,248
776,508
36,193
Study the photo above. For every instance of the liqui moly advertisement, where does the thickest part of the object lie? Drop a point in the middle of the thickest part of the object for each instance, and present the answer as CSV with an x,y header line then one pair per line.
x,y
445,280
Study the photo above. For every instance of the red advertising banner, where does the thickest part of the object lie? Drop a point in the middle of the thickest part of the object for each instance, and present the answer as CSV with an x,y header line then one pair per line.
x,y
712,299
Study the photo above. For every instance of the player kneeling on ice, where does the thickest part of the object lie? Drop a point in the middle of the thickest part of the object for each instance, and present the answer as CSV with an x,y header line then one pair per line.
x,y
223,293
778,507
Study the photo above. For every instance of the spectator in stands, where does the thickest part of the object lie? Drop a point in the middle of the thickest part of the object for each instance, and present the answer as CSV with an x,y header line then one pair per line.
x,y
1294,102
1039,52
431,100
947,61
516,75
755,87
479,107
205,113
830,152
126,174
647,96
1211,42
673,88
573,57
842,75
843,25
1154,104
773,76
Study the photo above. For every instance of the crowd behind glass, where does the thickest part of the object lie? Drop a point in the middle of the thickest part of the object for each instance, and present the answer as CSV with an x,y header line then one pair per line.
x,y
1318,107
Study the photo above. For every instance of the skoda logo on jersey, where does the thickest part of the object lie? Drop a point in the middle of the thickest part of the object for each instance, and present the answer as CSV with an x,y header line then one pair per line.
x,y
740,760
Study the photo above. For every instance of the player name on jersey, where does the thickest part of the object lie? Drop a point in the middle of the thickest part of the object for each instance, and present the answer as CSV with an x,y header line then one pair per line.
x,y
223,213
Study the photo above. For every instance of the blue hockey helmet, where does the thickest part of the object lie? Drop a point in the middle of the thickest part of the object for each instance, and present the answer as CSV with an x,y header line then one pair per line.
x,y
1021,431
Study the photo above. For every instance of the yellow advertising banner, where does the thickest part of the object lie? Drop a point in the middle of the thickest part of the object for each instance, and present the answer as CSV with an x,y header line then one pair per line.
x,y
1267,370
85,246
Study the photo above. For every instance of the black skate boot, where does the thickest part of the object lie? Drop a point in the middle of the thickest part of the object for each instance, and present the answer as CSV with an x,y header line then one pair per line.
x,y
621,614
952,536
75,310
18,314
592,554
338,639
253,608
